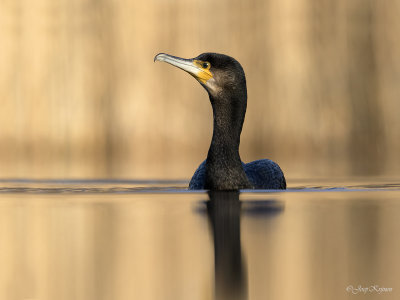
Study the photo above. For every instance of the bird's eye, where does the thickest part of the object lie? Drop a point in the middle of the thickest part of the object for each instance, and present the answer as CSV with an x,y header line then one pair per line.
x,y
205,65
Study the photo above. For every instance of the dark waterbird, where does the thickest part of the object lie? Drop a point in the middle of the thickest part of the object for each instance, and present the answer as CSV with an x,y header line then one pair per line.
x,y
225,82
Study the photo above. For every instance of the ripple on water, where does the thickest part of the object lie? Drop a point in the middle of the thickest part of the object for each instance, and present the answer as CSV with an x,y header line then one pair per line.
x,y
105,186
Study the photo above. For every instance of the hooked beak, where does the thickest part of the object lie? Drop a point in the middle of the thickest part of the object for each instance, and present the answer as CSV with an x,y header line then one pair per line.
x,y
192,66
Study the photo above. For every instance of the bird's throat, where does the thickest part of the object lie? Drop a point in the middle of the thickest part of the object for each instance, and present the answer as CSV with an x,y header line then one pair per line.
x,y
224,169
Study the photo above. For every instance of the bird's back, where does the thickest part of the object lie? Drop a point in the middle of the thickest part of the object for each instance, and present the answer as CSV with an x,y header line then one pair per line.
x,y
199,178
263,174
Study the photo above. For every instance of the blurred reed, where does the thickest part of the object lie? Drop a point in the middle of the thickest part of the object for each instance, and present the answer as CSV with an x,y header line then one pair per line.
x,y
81,96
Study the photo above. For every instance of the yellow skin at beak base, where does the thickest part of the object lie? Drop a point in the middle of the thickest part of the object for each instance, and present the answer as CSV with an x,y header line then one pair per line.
x,y
204,74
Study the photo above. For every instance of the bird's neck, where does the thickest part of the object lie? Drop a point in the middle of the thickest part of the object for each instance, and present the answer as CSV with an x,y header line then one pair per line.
x,y
224,166
226,138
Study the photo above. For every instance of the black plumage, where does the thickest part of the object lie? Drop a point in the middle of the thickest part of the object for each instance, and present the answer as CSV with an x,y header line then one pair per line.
x,y
224,80
262,174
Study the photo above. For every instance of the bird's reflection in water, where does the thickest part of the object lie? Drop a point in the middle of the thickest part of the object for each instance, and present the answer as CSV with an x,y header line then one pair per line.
x,y
224,211
230,275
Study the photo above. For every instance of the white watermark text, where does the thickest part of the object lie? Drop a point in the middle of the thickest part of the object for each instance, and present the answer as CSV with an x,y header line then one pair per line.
x,y
372,289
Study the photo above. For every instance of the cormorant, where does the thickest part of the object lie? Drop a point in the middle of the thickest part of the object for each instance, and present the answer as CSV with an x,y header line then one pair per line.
x,y
224,80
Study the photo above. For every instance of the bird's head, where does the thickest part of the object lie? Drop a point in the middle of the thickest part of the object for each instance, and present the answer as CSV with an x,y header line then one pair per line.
x,y
221,75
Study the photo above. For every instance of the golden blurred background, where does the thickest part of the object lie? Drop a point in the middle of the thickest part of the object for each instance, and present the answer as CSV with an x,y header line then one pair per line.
x,y
82,98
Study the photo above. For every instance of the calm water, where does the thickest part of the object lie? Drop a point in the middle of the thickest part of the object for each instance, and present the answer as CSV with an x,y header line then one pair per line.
x,y
95,240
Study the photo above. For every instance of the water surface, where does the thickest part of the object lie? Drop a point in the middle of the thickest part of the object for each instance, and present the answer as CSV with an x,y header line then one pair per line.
x,y
103,239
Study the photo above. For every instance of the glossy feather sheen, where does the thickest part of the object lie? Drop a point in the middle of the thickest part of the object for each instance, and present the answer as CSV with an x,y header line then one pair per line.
x,y
262,174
